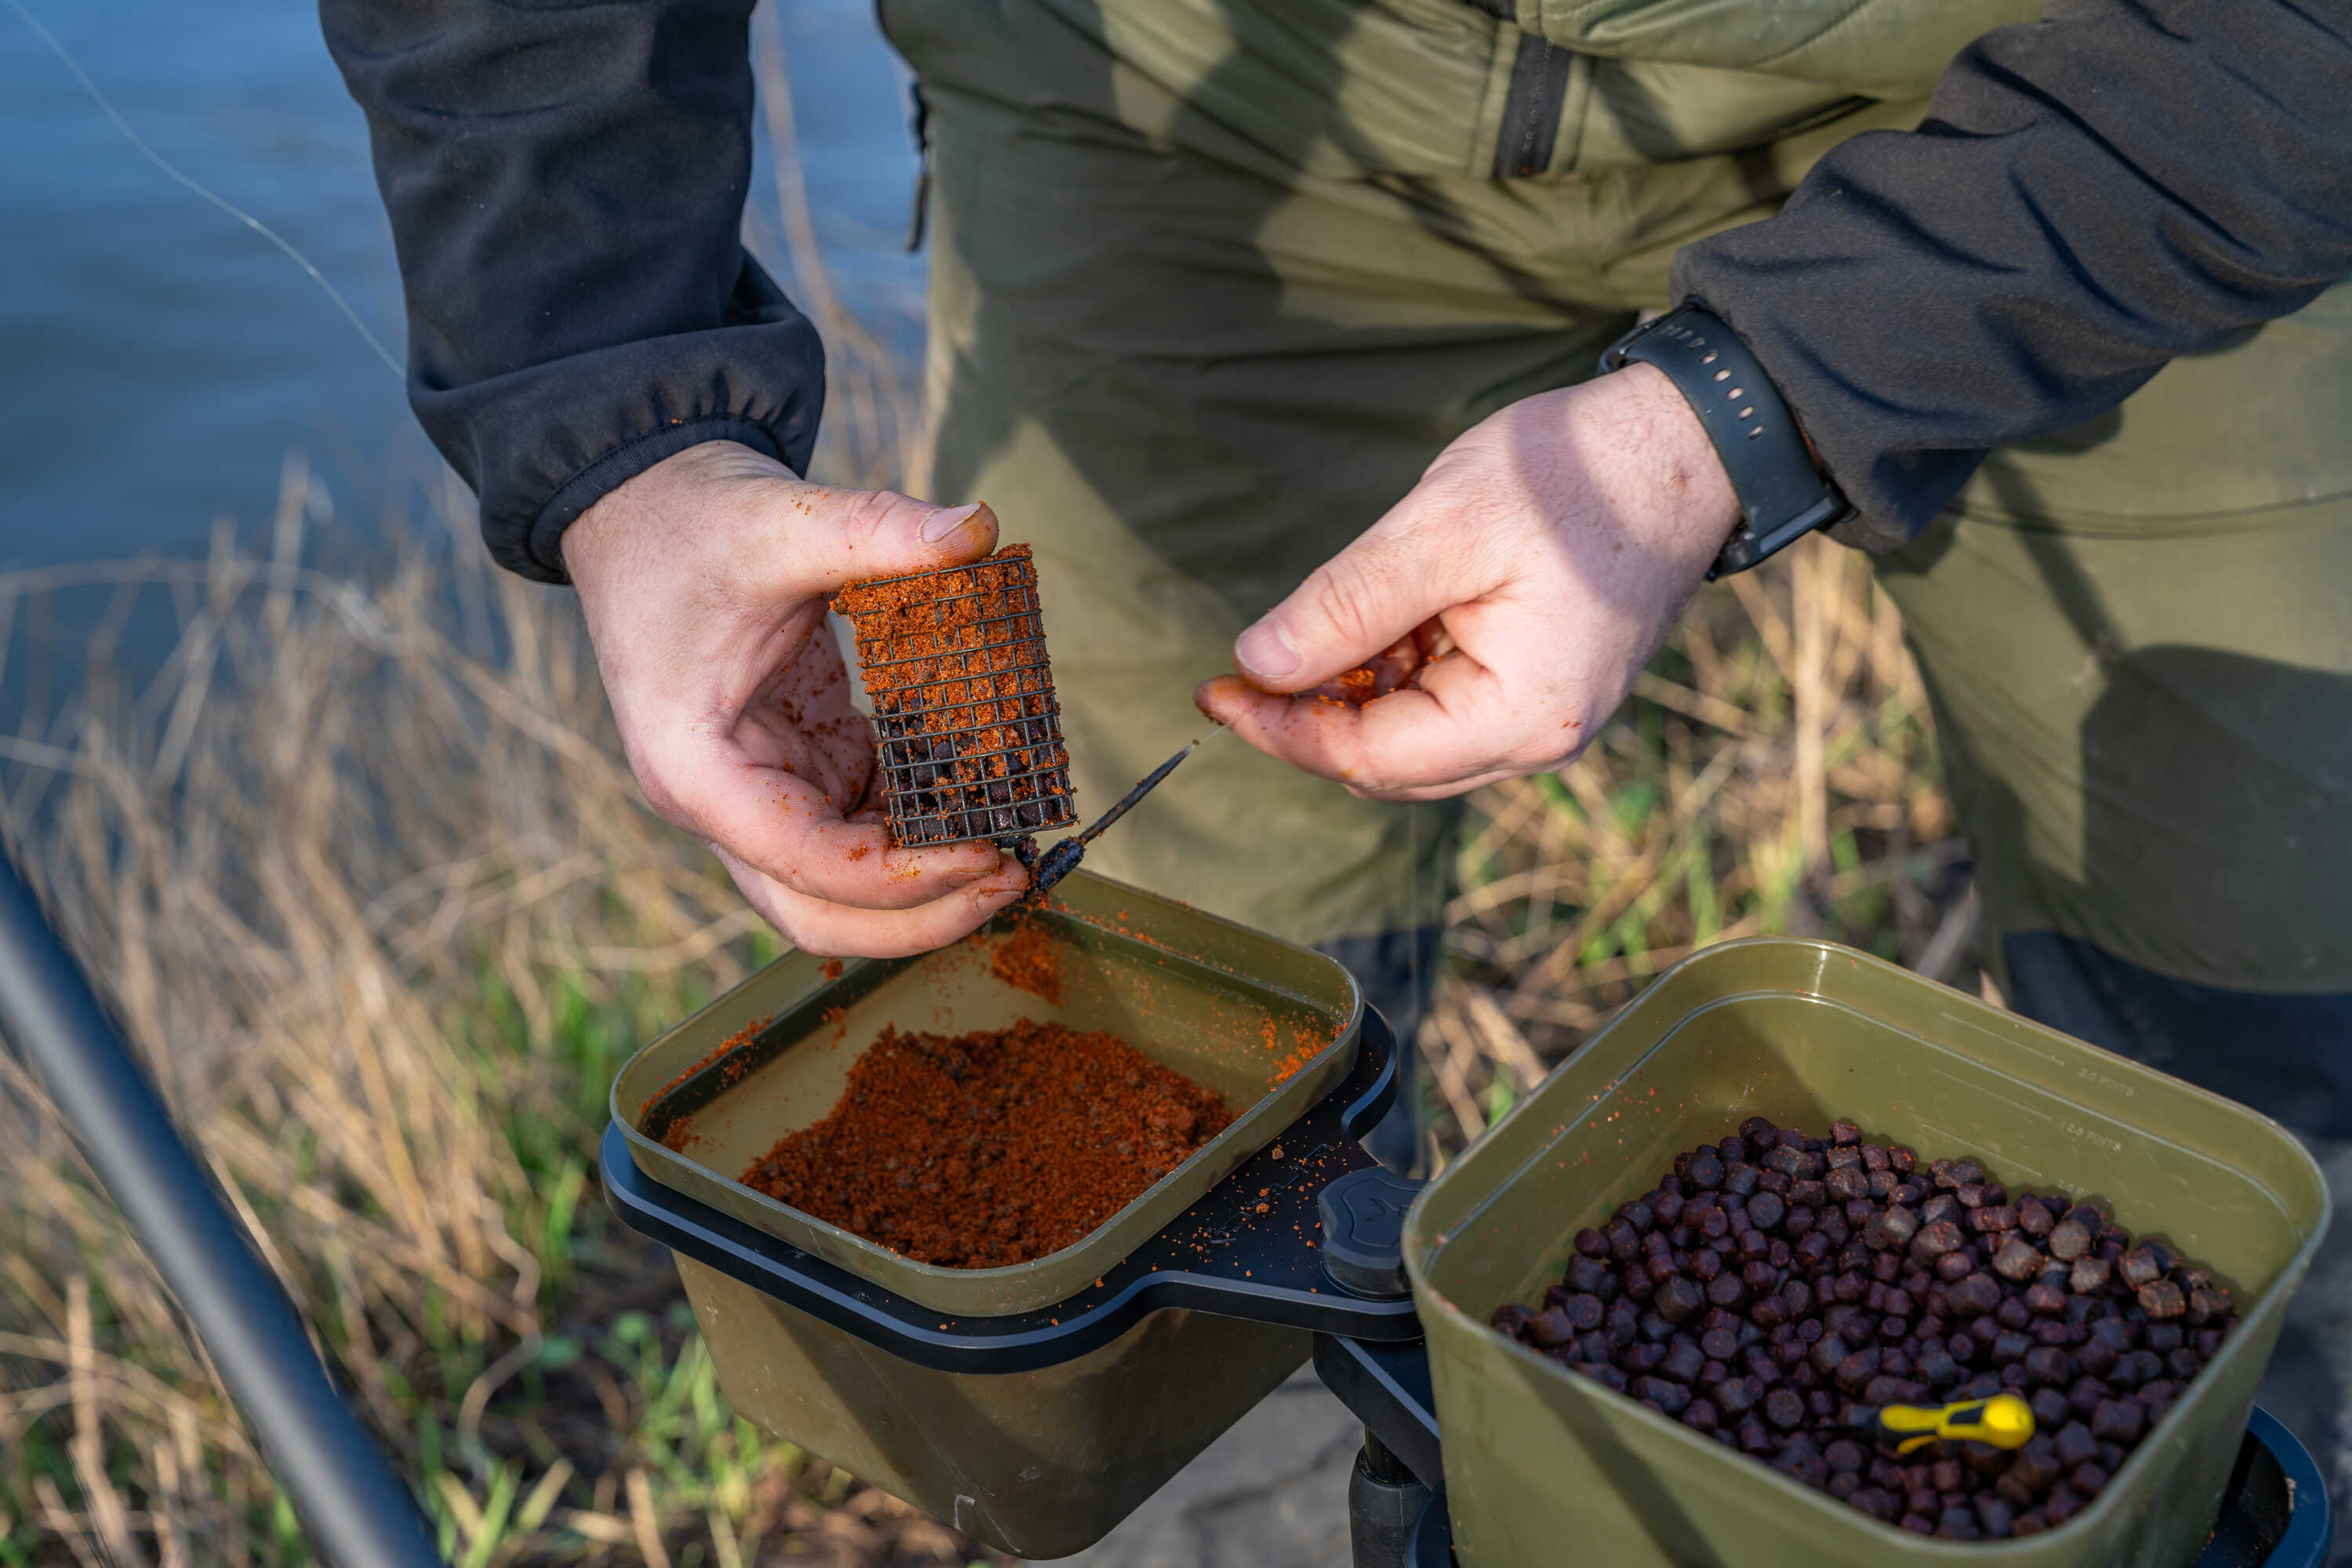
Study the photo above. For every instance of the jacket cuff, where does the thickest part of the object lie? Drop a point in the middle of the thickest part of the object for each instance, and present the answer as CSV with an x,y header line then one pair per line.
x,y
542,444
1894,489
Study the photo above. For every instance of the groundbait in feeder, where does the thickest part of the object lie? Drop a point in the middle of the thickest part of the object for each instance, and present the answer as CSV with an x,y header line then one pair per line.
x,y
965,718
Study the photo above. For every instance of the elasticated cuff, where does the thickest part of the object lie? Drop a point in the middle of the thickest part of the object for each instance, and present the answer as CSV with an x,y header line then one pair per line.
x,y
542,444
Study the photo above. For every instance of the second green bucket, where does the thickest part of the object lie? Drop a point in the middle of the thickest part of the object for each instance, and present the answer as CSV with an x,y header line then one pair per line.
x,y
1538,1459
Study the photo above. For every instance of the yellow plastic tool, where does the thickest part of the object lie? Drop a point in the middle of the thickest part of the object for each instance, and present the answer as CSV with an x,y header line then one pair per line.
x,y
2005,1421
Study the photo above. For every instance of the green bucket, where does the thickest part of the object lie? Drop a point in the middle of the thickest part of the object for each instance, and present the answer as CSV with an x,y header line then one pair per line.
x,y
1038,1463
1805,1033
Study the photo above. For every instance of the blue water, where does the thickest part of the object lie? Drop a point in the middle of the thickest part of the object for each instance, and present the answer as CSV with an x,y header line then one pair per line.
x,y
158,359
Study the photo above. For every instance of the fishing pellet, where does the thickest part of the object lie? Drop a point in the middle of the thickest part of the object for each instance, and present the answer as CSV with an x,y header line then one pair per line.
x,y
1776,1289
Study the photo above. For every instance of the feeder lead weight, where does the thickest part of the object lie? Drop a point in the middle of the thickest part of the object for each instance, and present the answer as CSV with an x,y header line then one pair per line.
x,y
1062,858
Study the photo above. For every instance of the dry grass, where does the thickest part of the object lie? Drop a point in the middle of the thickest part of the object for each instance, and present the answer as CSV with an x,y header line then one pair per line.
x,y
383,912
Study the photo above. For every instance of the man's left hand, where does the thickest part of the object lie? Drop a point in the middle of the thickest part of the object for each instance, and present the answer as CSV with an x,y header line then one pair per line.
x,y
1503,607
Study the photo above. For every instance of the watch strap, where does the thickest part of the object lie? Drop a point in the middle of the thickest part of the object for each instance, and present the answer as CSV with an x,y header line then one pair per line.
x,y
1782,492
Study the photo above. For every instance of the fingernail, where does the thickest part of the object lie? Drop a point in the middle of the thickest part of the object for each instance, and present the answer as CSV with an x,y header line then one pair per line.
x,y
1267,649
940,524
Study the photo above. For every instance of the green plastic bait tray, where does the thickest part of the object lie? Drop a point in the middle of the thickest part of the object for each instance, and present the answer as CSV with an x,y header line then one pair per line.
x,y
1042,1462
1805,1033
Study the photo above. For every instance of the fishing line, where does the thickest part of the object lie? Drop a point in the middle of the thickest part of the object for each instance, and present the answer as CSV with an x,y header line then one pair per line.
x,y
246,218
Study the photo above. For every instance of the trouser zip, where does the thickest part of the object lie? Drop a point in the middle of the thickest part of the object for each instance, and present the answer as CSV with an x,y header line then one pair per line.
x,y
1532,107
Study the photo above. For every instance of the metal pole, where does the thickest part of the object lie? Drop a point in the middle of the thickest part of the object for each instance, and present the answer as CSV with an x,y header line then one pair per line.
x,y
1384,1503
356,1510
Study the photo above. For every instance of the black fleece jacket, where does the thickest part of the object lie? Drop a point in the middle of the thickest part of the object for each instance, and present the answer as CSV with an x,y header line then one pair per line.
x,y
2092,195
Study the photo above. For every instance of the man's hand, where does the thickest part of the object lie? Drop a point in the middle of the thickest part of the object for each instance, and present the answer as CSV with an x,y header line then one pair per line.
x,y
1503,607
704,581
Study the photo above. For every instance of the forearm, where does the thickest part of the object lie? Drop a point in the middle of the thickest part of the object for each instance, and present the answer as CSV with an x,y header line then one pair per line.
x,y
2090,197
565,186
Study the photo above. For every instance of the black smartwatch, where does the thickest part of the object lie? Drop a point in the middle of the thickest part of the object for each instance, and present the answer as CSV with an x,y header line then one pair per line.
x,y
1783,494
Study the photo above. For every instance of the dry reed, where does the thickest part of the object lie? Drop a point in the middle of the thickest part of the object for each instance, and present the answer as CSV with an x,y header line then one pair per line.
x,y
365,877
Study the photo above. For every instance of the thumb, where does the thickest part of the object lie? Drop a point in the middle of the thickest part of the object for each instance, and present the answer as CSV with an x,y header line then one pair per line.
x,y
1358,604
849,536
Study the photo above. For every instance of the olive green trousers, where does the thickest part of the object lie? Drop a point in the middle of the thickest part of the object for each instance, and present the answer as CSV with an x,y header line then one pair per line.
x,y
1190,350
1213,279
1187,371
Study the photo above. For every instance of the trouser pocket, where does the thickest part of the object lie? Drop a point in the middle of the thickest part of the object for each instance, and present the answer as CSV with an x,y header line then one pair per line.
x,y
1337,88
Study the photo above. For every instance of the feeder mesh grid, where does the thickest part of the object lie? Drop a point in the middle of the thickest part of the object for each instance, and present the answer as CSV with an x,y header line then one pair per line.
x,y
964,713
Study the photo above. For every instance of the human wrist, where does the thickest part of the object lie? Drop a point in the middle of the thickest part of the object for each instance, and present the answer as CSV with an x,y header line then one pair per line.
x,y
1775,473
1691,506
669,499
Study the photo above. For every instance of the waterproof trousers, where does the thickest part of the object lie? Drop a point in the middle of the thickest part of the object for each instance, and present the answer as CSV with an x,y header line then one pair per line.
x,y
1210,287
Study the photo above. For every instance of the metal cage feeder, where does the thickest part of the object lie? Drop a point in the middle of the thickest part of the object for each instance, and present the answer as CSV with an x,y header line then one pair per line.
x,y
968,729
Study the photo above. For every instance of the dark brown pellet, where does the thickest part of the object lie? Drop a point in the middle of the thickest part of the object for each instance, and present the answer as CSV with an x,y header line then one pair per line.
x,y
1583,1312
1895,1226
2209,1303
2118,1421
1549,1328
1936,1239
2075,1444
1678,1299
1993,1219
2017,1260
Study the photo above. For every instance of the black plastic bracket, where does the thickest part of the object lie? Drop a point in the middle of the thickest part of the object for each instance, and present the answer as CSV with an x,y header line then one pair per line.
x,y
1386,1386
1363,1231
1250,1248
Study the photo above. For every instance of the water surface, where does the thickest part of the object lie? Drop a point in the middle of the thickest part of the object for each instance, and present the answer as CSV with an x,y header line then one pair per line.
x,y
158,360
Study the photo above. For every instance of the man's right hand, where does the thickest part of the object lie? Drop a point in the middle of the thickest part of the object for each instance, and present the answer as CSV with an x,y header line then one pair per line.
x,y
704,581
